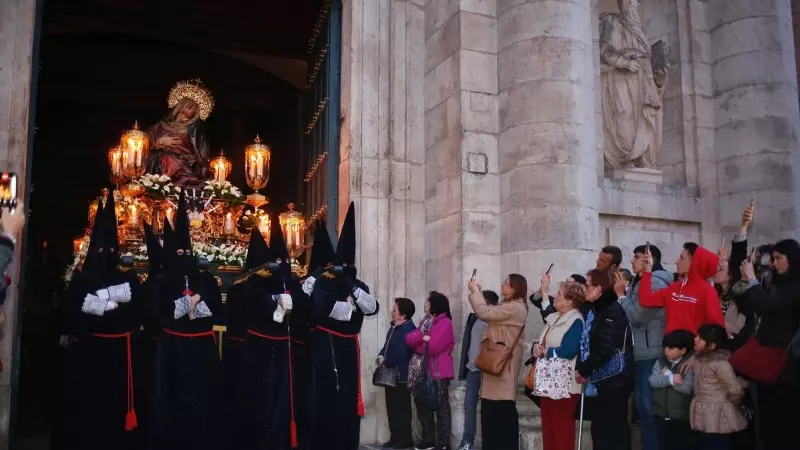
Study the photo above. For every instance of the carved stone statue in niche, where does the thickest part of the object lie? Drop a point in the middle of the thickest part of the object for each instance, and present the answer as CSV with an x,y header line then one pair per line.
x,y
632,77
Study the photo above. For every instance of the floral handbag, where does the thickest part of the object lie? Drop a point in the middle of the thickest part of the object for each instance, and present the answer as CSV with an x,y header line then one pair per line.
x,y
553,378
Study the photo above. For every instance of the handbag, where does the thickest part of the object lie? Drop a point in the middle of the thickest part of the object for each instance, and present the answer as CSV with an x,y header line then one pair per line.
x,y
613,366
386,376
553,378
530,379
758,362
494,356
426,387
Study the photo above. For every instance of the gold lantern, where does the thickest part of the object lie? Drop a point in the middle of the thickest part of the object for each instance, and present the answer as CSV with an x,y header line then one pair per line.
x,y
293,229
115,165
221,166
133,147
256,170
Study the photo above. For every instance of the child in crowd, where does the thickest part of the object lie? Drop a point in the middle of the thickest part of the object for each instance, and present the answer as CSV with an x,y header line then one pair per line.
x,y
718,393
628,277
672,392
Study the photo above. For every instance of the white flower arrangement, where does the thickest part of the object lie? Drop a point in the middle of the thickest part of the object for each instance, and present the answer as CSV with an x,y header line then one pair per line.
x,y
224,190
218,255
139,255
157,185
223,255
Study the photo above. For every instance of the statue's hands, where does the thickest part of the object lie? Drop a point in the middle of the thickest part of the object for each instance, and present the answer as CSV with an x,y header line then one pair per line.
x,y
631,66
167,141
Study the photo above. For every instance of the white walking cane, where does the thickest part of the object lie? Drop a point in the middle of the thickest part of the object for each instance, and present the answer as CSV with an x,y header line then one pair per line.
x,y
580,419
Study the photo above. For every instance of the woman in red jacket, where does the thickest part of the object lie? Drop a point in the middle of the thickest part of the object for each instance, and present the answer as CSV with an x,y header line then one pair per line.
x,y
438,335
691,302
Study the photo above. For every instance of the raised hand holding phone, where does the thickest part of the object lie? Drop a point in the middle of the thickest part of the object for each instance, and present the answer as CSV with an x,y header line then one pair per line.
x,y
747,217
12,221
648,258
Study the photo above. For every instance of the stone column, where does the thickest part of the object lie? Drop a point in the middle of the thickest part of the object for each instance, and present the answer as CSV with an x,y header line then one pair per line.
x,y
757,120
547,145
381,167
17,19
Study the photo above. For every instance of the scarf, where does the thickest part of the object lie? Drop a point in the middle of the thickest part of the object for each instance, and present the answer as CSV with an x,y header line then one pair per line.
x,y
591,389
415,365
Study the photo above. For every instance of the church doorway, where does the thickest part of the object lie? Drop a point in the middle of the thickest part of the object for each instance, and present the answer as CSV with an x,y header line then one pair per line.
x,y
273,69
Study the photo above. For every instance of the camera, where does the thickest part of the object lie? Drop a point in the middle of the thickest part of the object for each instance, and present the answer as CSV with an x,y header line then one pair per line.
x,y
337,270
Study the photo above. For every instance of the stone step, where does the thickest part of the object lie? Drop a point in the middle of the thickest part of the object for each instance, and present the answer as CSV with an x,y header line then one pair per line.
x,y
530,421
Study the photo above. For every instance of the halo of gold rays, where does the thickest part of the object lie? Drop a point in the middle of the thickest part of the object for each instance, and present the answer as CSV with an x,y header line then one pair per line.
x,y
196,91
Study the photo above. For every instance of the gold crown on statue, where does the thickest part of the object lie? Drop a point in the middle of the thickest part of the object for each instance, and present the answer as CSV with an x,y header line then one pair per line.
x,y
196,91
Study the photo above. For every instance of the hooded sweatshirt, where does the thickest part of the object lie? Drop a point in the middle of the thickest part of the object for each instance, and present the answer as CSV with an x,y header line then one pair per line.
x,y
689,303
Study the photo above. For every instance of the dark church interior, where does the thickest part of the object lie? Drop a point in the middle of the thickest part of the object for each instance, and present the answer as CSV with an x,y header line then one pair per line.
x,y
107,63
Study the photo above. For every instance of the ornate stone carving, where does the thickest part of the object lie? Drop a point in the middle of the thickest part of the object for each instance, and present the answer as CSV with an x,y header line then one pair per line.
x,y
632,78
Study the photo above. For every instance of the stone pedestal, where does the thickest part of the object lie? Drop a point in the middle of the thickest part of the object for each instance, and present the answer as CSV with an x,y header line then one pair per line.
x,y
654,176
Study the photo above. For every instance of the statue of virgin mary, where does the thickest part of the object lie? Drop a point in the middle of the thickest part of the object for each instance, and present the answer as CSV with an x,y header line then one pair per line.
x,y
179,145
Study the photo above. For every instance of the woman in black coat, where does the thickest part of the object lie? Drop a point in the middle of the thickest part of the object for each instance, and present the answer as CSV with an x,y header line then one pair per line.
x,y
608,332
778,310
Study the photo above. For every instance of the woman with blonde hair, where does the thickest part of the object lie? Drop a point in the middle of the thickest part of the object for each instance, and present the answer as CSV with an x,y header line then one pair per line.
x,y
506,322
561,338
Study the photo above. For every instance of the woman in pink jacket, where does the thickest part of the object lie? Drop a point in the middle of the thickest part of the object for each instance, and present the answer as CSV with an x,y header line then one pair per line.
x,y
435,331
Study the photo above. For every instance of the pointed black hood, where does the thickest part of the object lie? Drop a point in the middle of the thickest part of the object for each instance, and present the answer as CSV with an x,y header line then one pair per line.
x,y
322,252
103,255
179,258
169,237
155,254
276,242
346,248
258,252
111,238
91,262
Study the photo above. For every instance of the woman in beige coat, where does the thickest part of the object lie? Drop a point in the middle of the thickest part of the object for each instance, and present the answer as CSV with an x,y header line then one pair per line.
x,y
506,321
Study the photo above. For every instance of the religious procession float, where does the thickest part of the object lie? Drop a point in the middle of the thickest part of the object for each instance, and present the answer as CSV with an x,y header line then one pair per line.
x,y
150,168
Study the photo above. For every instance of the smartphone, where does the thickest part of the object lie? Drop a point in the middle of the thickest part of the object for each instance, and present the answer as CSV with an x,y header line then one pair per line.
x,y
8,189
474,273
752,253
647,247
549,269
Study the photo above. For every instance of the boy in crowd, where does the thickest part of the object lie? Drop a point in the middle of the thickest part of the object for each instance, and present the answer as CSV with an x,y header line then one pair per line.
x,y
672,392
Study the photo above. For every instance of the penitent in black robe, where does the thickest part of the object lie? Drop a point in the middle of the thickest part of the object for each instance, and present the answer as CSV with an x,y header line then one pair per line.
x,y
186,407
101,375
335,403
274,369
233,362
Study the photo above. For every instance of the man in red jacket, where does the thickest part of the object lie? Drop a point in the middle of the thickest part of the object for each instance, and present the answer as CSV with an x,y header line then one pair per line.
x,y
691,302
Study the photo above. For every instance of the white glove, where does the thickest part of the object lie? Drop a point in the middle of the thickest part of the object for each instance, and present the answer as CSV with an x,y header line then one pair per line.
x,y
279,313
308,285
287,302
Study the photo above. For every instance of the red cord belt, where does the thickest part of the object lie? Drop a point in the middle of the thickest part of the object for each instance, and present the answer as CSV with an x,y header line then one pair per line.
x,y
292,423
360,399
192,335
130,416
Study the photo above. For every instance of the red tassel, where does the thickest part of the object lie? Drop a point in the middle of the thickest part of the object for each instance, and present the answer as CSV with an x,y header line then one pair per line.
x,y
293,433
360,407
130,421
